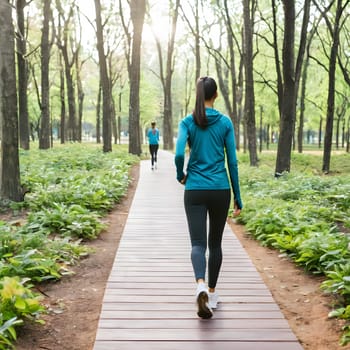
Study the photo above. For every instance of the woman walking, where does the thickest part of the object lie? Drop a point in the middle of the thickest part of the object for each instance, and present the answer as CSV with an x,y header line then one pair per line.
x,y
210,135
153,140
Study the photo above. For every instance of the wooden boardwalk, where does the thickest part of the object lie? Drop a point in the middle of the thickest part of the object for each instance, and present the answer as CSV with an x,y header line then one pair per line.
x,y
149,302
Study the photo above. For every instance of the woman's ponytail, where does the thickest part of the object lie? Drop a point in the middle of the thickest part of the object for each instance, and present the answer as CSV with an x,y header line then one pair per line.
x,y
206,89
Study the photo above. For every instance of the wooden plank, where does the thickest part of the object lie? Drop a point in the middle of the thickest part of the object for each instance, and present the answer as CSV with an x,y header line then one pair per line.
x,y
178,314
251,324
173,285
175,298
188,307
182,292
197,334
184,279
201,345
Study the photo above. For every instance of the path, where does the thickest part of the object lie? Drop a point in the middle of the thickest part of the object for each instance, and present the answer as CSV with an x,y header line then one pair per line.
x,y
149,298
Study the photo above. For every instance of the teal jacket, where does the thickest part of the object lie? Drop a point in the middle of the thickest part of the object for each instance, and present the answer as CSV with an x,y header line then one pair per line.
x,y
206,167
153,136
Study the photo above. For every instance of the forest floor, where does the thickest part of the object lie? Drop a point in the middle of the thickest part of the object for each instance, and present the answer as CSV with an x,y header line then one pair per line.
x,y
74,303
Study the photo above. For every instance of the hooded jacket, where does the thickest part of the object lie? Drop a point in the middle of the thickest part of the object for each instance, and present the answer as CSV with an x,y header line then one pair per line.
x,y
206,167
153,136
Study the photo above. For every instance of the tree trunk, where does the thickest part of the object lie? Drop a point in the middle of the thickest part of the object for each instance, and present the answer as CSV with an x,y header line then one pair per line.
x,y
69,49
168,136
337,132
233,109
98,114
44,138
222,75
72,123
137,11
114,123
22,68
302,106
81,97
277,57
249,106
287,118
348,137
188,89
10,187
320,133
304,77
197,44
105,84
195,30
63,103
327,147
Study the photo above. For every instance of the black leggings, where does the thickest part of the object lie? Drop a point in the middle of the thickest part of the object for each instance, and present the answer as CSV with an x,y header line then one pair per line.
x,y
198,204
153,149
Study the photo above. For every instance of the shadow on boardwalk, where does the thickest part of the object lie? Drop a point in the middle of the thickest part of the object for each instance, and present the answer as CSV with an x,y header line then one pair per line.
x,y
149,298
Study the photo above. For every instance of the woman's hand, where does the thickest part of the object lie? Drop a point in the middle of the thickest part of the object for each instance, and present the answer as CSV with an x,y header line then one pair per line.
x,y
236,210
183,181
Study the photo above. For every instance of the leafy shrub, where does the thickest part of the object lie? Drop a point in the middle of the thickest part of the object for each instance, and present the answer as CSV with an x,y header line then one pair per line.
x,y
17,302
70,188
68,220
305,216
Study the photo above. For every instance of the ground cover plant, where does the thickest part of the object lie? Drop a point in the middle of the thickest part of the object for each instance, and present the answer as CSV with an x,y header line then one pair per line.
x,y
70,189
306,216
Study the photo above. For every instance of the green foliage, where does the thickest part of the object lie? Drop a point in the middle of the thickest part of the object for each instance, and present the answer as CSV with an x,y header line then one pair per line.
x,y
70,189
17,303
306,217
84,176
8,332
17,300
338,281
343,313
68,220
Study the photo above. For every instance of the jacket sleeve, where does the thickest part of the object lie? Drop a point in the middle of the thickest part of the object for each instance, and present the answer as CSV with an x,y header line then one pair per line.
x,y
180,151
232,163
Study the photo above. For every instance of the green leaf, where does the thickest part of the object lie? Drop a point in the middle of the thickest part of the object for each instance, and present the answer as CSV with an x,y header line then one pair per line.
x,y
20,304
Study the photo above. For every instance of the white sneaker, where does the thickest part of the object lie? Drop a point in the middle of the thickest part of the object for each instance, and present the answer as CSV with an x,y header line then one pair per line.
x,y
213,300
204,310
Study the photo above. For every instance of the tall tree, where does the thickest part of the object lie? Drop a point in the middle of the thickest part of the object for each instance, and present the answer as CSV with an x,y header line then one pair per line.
x,y
70,48
137,13
304,78
166,74
116,65
22,68
229,81
288,79
249,105
98,113
236,79
10,187
62,98
195,29
78,64
334,29
105,83
44,137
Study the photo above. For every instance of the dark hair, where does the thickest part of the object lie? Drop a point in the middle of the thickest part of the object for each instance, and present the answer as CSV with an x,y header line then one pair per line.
x,y
206,89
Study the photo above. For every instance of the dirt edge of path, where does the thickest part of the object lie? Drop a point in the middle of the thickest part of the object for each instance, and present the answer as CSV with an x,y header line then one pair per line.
x,y
298,294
